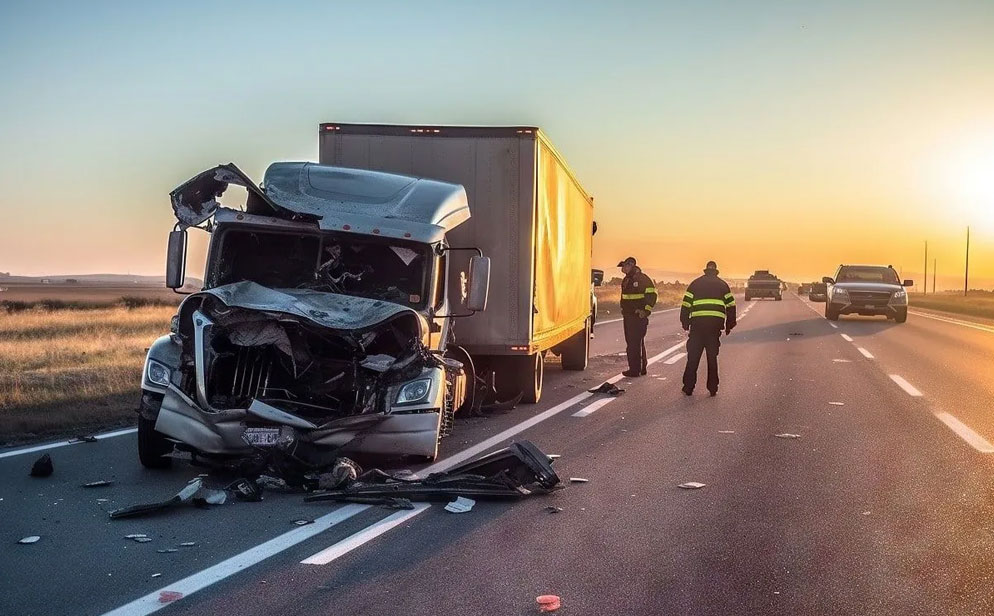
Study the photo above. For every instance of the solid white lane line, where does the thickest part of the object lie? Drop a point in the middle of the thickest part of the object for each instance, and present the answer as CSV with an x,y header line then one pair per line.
x,y
833,325
34,448
846,337
675,359
865,353
622,318
499,438
910,389
983,328
964,432
593,406
366,535
224,569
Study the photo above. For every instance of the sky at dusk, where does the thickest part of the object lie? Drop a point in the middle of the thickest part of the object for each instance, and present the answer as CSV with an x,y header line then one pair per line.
x,y
786,136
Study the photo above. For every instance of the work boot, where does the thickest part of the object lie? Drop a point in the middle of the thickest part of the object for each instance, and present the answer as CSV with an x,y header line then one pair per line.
x,y
713,392
630,374
643,373
687,392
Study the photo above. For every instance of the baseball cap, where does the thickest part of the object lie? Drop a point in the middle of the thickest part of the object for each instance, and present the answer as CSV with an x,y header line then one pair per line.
x,y
629,260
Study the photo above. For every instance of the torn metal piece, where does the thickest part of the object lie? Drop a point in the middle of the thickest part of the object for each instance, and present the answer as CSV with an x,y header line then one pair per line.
x,y
30,540
246,490
183,496
692,485
98,484
136,536
344,472
607,388
460,505
553,509
188,544
787,435
42,467
837,403
167,551
726,431
155,575
83,438
578,480
302,522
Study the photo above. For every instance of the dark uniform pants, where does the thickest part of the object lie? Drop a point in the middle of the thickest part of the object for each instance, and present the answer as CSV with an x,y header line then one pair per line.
x,y
635,329
702,338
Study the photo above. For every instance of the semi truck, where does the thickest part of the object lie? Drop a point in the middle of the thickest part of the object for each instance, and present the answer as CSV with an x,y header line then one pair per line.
x,y
346,305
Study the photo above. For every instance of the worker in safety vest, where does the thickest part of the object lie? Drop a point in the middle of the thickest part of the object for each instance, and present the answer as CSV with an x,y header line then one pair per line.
x,y
638,296
708,307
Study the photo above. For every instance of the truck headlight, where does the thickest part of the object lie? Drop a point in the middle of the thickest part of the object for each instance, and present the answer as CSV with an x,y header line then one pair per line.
x,y
414,392
157,373
840,295
899,297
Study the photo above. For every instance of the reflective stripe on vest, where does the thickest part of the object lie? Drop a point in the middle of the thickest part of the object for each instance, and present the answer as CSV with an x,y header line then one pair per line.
x,y
709,302
633,296
707,313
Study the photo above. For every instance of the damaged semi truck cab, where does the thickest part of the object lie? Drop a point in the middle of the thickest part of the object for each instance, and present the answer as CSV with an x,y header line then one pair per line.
x,y
325,324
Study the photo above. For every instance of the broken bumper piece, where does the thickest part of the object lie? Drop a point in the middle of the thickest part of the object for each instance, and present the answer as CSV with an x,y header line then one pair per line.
x,y
517,471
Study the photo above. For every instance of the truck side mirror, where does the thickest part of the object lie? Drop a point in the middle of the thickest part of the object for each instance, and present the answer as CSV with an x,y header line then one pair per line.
x,y
479,283
176,259
827,280
909,283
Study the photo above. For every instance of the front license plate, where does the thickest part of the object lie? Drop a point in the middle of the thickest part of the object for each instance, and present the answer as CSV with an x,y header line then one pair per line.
x,y
870,306
261,437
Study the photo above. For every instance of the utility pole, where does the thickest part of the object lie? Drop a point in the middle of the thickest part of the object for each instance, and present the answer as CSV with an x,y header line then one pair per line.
x,y
925,286
934,273
966,276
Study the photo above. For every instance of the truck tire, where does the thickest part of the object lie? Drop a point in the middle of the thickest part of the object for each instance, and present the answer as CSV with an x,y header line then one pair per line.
x,y
748,297
831,315
576,350
901,316
519,374
779,298
152,446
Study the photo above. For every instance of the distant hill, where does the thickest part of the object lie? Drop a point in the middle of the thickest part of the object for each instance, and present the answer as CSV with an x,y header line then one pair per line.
x,y
95,279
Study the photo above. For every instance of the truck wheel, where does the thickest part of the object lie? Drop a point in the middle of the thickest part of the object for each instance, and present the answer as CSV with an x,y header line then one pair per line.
x,y
748,297
576,350
779,298
152,446
901,316
831,315
520,374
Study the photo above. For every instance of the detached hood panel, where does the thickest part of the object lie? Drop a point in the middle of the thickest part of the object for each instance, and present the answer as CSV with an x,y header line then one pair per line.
x,y
342,313
196,200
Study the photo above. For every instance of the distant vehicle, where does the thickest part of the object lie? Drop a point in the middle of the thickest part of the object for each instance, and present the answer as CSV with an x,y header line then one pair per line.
x,y
817,292
764,284
867,290
802,289
596,280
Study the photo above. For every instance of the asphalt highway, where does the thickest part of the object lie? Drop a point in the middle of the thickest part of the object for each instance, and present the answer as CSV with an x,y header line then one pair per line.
x,y
881,504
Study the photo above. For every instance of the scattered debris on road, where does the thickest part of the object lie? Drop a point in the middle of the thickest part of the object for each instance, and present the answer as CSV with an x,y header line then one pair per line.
x,y
246,490
42,467
302,522
98,484
519,470
30,540
138,537
692,485
726,431
787,435
837,403
155,575
168,596
578,480
460,505
194,492
842,361
607,388
548,603
343,472
83,438
553,509
167,551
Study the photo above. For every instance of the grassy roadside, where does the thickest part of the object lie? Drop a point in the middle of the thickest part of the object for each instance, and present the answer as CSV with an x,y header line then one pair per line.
x,y
68,371
975,304
609,298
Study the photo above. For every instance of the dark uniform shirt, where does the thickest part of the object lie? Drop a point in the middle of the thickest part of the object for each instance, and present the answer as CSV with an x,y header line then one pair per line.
x,y
638,292
708,301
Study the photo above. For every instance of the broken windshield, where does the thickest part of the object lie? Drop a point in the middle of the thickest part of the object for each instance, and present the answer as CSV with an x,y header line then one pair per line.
x,y
343,263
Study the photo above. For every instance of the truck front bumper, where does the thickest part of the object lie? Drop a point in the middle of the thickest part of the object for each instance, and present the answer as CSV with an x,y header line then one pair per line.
x,y
221,432
887,310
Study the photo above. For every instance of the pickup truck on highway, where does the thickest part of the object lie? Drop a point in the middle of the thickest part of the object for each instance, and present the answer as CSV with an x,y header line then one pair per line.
x,y
866,290
340,309
764,284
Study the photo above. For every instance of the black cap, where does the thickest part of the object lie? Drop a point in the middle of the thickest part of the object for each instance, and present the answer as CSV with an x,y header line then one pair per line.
x,y
629,261
711,266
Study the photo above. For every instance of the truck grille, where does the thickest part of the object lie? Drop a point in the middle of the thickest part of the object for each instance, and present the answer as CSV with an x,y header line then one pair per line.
x,y
869,298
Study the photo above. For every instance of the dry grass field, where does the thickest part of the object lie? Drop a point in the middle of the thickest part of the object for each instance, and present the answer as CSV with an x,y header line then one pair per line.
x,y
67,371
975,304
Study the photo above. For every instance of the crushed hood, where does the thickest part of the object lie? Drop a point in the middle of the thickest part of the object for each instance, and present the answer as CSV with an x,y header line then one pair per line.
x,y
343,313
338,198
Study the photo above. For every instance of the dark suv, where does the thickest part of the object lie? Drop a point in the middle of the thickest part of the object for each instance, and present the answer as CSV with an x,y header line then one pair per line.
x,y
867,290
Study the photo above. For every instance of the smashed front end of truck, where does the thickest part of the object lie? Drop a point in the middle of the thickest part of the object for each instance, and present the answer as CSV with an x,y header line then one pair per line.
x,y
307,342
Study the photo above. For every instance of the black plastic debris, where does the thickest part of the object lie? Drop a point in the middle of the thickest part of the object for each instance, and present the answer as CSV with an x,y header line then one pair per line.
x,y
607,388
246,490
515,472
553,509
183,496
501,407
84,438
42,467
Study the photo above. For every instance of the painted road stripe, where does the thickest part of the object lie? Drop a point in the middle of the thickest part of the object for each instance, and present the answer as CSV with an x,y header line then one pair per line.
x,y
499,438
906,386
593,406
846,337
675,359
622,319
224,569
833,325
24,450
975,440
983,328
865,353
366,535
